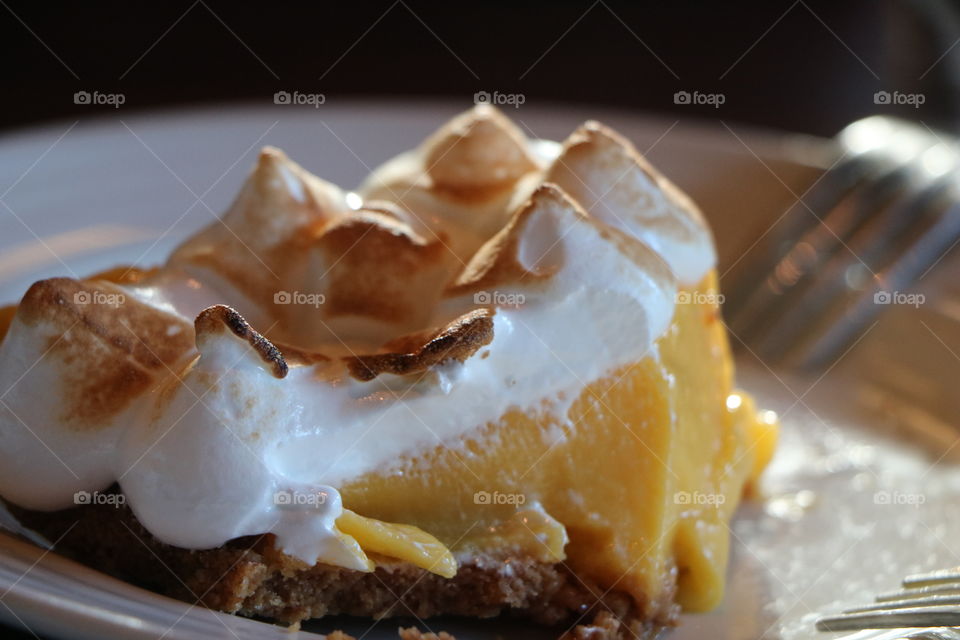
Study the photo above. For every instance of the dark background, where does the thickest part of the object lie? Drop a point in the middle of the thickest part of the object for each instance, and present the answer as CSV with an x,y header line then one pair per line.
x,y
793,64
799,65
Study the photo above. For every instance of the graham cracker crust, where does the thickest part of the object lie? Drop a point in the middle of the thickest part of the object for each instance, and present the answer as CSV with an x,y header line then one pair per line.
x,y
247,576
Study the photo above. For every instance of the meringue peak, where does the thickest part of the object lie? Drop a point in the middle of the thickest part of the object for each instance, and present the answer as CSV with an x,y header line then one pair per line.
x,y
612,181
528,247
478,151
372,264
282,198
220,321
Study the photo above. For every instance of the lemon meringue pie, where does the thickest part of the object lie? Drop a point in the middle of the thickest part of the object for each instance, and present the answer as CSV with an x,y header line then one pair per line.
x,y
492,380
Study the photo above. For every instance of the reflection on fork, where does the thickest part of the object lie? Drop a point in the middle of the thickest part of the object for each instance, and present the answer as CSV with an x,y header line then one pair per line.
x,y
927,607
874,223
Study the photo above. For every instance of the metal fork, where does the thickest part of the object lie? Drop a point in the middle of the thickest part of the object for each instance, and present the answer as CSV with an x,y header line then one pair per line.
x,y
928,600
874,223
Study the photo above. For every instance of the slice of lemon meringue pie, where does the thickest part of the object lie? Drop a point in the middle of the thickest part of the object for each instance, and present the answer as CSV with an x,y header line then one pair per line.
x,y
493,380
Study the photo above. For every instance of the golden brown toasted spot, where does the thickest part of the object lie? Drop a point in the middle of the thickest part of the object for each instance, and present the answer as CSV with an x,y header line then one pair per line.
x,y
358,248
605,151
477,155
213,320
113,347
93,401
456,341
269,230
6,317
124,275
497,261
386,208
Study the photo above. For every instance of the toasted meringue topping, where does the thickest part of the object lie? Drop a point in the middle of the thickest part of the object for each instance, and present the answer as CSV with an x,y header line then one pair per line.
x,y
608,177
529,246
457,341
77,360
108,348
260,246
506,273
371,266
463,182
212,322
478,151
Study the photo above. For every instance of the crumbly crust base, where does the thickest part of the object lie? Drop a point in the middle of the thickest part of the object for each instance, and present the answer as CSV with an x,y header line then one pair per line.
x,y
249,577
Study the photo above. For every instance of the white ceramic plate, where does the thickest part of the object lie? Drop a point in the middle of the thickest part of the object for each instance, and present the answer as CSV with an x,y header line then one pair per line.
x,y
851,504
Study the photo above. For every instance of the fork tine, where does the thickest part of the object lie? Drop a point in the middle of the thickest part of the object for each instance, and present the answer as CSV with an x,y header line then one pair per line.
x,y
920,592
907,603
824,288
934,577
935,229
832,187
931,616
801,298
757,302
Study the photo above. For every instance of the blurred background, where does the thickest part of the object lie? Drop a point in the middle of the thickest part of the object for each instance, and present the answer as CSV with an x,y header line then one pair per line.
x,y
800,65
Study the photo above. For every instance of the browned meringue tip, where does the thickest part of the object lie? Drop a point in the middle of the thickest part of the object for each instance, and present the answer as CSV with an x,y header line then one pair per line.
x,y
604,149
416,353
376,266
498,261
278,184
270,155
477,152
108,314
107,347
215,320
